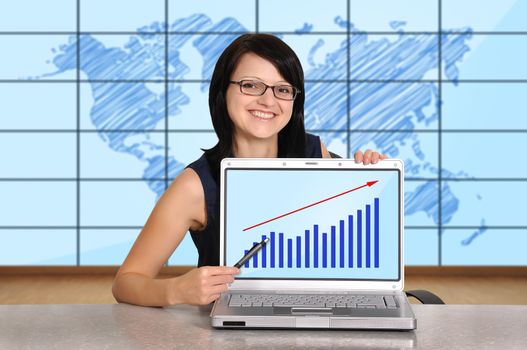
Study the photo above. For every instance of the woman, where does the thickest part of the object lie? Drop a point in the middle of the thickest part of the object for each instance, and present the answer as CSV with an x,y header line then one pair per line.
x,y
256,100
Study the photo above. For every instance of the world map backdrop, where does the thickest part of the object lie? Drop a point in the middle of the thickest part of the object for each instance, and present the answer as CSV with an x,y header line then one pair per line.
x,y
105,102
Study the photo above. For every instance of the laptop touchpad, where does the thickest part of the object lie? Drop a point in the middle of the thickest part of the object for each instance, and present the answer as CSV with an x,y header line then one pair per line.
x,y
303,310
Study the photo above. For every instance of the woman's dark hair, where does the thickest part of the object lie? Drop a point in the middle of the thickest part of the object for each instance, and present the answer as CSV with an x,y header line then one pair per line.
x,y
291,139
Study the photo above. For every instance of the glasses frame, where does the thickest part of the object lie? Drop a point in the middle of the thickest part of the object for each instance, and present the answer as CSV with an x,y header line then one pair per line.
x,y
240,83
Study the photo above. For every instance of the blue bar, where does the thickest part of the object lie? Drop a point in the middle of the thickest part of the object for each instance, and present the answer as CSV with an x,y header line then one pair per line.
x,y
359,238
289,252
368,238
376,231
350,240
272,249
324,250
333,250
280,250
255,257
307,247
264,251
247,262
341,246
315,246
298,251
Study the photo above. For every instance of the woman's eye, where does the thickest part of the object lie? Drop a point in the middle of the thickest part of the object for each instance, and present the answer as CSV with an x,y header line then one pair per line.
x,y
285,89
249,85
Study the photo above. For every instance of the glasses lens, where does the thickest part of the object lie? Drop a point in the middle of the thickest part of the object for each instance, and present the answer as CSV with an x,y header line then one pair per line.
x,y
284,92
250,87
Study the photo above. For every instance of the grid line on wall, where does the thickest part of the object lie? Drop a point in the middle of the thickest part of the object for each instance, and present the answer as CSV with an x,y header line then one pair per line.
x,y
257,16
329,81
348,77
166,95
140,179
312,33
138,227
439,137
78,136
176,131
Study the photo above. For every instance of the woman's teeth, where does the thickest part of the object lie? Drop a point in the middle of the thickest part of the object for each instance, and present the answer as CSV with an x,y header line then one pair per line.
x,y
262,114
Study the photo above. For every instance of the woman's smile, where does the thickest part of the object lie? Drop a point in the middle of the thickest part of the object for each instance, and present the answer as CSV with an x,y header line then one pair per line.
x,y
262,115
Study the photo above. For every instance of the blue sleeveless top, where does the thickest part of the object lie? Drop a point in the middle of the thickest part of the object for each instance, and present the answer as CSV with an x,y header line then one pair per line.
x,y
207,240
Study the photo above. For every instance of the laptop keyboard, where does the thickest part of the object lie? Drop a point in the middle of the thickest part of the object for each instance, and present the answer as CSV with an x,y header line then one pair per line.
x,y
313,300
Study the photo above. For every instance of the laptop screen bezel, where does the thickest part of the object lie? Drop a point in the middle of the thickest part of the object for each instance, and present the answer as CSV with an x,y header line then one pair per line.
x,y
315,164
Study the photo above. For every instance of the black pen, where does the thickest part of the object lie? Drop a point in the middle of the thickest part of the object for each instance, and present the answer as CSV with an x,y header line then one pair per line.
x,y
255,249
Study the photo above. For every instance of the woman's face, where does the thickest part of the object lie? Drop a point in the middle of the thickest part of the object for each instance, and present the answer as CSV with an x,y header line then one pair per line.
x,y
260,117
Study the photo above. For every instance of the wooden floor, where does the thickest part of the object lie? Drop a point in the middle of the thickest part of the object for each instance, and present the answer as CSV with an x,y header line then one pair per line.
x,y
96,289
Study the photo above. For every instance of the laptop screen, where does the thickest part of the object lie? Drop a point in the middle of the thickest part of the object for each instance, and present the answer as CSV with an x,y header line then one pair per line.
x,y
339,224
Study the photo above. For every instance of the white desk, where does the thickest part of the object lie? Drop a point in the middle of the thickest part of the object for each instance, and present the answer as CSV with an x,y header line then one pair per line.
x,y
187,327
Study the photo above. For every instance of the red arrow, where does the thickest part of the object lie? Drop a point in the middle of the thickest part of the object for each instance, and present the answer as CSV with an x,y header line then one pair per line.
x,y
369,184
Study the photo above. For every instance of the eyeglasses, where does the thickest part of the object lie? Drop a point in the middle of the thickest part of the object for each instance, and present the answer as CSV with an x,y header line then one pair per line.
x,y
257,88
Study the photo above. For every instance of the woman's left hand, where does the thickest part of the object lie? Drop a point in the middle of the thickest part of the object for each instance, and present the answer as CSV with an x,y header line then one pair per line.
x,y
369,157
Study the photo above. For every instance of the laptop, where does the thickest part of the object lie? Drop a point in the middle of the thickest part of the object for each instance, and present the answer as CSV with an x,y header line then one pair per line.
x,y
334,257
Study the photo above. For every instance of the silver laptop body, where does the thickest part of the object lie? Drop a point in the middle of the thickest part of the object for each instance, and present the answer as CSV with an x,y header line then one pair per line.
x,y
335,256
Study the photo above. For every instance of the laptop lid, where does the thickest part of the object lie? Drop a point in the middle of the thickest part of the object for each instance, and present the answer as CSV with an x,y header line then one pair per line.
x,y
332,224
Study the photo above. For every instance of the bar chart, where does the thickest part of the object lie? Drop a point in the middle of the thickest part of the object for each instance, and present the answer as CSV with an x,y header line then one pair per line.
x,y
352,242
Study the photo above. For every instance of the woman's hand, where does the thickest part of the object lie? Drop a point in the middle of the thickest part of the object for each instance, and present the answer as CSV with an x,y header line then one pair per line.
x,y
201,286
369,157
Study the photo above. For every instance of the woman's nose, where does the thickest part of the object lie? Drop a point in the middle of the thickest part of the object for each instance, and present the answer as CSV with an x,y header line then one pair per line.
x,y
267,98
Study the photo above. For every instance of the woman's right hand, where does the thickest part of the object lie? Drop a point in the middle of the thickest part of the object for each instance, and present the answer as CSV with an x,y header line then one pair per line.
x,y
203,285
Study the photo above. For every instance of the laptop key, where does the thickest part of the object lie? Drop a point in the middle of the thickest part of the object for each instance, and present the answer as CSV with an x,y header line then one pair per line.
x,y
390,302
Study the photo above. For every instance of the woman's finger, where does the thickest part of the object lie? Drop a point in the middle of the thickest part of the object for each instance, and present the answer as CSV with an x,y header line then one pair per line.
x,y
367,157
375,157
358,157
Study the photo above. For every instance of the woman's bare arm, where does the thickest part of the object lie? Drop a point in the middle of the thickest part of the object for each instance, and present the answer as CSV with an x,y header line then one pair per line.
x,y
181,207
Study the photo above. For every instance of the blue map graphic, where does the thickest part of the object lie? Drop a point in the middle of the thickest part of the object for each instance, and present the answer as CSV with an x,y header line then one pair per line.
x,y
404,105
